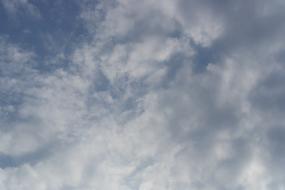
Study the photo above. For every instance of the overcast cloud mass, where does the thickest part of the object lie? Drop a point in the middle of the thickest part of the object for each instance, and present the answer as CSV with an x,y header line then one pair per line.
x,y
142,95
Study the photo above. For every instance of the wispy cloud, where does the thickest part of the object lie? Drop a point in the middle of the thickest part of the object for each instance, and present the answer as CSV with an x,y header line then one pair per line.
x,y
148,95
16,7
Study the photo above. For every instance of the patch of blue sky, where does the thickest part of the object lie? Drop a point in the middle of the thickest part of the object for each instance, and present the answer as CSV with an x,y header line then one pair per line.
x,y
52,33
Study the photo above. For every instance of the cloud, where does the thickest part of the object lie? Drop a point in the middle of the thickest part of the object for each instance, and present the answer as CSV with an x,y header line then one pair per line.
x,y
173,95
15,7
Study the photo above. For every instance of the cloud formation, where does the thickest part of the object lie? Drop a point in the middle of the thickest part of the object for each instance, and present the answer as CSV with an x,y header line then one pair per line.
x,y
150,95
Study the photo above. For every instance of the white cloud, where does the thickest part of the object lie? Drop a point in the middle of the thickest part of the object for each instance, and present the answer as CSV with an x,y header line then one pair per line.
x,y
132,112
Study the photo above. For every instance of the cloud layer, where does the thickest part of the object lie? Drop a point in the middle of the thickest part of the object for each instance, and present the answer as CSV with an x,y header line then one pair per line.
x,y
143,95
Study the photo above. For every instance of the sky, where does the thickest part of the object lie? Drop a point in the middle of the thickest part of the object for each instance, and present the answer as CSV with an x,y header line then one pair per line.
x,y
142,95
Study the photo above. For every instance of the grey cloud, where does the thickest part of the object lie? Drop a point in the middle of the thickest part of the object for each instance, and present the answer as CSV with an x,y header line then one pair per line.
x,y
269,93
31,158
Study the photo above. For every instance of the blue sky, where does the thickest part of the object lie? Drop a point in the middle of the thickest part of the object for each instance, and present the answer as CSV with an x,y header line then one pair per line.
x,y
47,28
142,95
